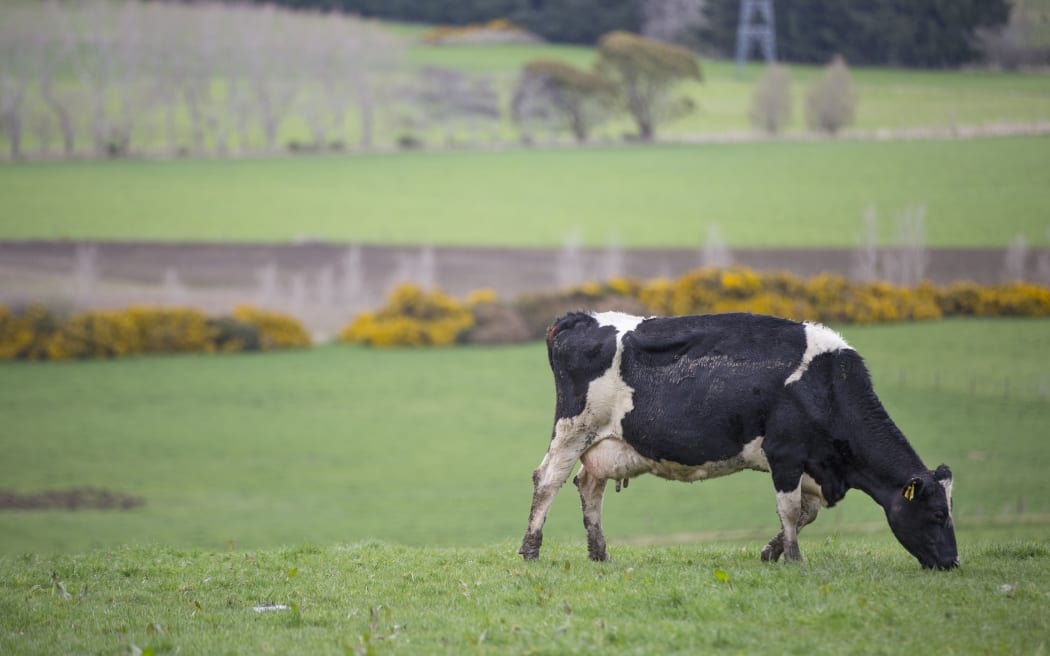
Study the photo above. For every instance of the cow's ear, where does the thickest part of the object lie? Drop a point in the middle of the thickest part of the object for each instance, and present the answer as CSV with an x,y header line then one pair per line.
x,y
912,490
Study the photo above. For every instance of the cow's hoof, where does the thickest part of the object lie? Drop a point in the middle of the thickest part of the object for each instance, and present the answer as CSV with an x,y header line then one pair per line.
x,y
771,553
792,554
599,557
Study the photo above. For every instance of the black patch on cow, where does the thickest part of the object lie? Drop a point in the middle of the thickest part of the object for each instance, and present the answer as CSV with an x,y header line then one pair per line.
x,y
579,351
704,386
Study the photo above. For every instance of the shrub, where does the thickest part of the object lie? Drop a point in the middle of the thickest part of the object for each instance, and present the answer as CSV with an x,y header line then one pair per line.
x,y
37,334
25,335
107,334
771,100
232,335
412,317
275,330
831,102
172,330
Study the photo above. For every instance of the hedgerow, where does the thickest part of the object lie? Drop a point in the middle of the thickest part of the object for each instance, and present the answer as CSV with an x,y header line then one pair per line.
x,y
38,333
409,312
415,317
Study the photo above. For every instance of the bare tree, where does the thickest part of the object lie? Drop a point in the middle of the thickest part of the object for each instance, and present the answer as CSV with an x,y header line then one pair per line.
x,y
715,252
905,264
271,62
19,57
206,74
866,256
771,101
62,46
1015,258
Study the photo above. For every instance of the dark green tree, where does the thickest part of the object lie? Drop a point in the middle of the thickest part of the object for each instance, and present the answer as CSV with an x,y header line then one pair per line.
x,y
919,33
563,21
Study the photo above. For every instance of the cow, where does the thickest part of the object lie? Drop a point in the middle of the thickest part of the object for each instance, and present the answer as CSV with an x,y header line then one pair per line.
x,y
696,397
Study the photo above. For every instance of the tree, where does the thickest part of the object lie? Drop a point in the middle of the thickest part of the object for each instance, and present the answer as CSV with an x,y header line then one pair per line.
x,y
831,101
573,97
449,99
645,71
771,100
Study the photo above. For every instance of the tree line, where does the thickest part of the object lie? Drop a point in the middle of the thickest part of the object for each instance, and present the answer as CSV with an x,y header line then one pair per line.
x,y
105,73
116,78
913,33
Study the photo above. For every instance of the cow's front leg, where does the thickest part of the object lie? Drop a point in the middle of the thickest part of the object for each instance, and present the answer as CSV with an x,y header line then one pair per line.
x,y
565,449
811,504
592,491
789,509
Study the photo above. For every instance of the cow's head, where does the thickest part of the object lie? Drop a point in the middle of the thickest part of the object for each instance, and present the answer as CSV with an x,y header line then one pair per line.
x,y
920,515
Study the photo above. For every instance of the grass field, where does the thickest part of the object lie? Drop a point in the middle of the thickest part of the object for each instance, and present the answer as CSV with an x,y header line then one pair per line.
x,y
435,447
858,596
976,193
378,498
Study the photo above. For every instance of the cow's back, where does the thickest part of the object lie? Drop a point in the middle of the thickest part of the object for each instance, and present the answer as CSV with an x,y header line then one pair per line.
x,y
703,386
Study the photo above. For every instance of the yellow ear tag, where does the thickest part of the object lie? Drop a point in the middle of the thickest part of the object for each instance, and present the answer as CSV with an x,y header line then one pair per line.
x,y
909,492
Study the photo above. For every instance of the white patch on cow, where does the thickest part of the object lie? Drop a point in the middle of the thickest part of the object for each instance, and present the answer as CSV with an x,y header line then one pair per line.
x,y
819,339
615,459
609,397
947,484
789,505
623,323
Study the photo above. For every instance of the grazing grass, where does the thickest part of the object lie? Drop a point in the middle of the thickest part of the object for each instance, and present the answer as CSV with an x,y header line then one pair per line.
x,y
851,596
976,193
371,502
435,447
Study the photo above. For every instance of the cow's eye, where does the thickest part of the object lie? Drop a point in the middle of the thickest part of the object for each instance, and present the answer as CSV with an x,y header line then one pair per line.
x,y
939,516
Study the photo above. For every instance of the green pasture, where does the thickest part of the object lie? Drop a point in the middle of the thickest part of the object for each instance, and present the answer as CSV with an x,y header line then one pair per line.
x,y
376,499
435,447
853,595
978,192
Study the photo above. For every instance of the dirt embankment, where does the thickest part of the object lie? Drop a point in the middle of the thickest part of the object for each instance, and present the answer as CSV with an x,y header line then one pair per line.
x,y
326,284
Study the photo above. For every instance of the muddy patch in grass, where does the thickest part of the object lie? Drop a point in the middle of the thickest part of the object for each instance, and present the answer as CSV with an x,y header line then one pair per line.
x,y
74,498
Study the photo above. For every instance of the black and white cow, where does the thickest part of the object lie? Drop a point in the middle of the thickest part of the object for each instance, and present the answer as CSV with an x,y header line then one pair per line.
x,y
691,398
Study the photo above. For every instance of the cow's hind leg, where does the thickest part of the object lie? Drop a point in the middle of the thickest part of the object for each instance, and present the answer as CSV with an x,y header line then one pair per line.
x,y
592,490
566,448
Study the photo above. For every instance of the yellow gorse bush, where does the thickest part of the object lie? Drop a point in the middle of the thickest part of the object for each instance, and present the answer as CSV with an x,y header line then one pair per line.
x,y
824,297
413,317
38,334
276,330
25,335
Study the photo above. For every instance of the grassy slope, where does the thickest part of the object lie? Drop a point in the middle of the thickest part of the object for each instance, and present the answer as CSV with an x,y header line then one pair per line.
x,y
851,596
979,192
435,447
